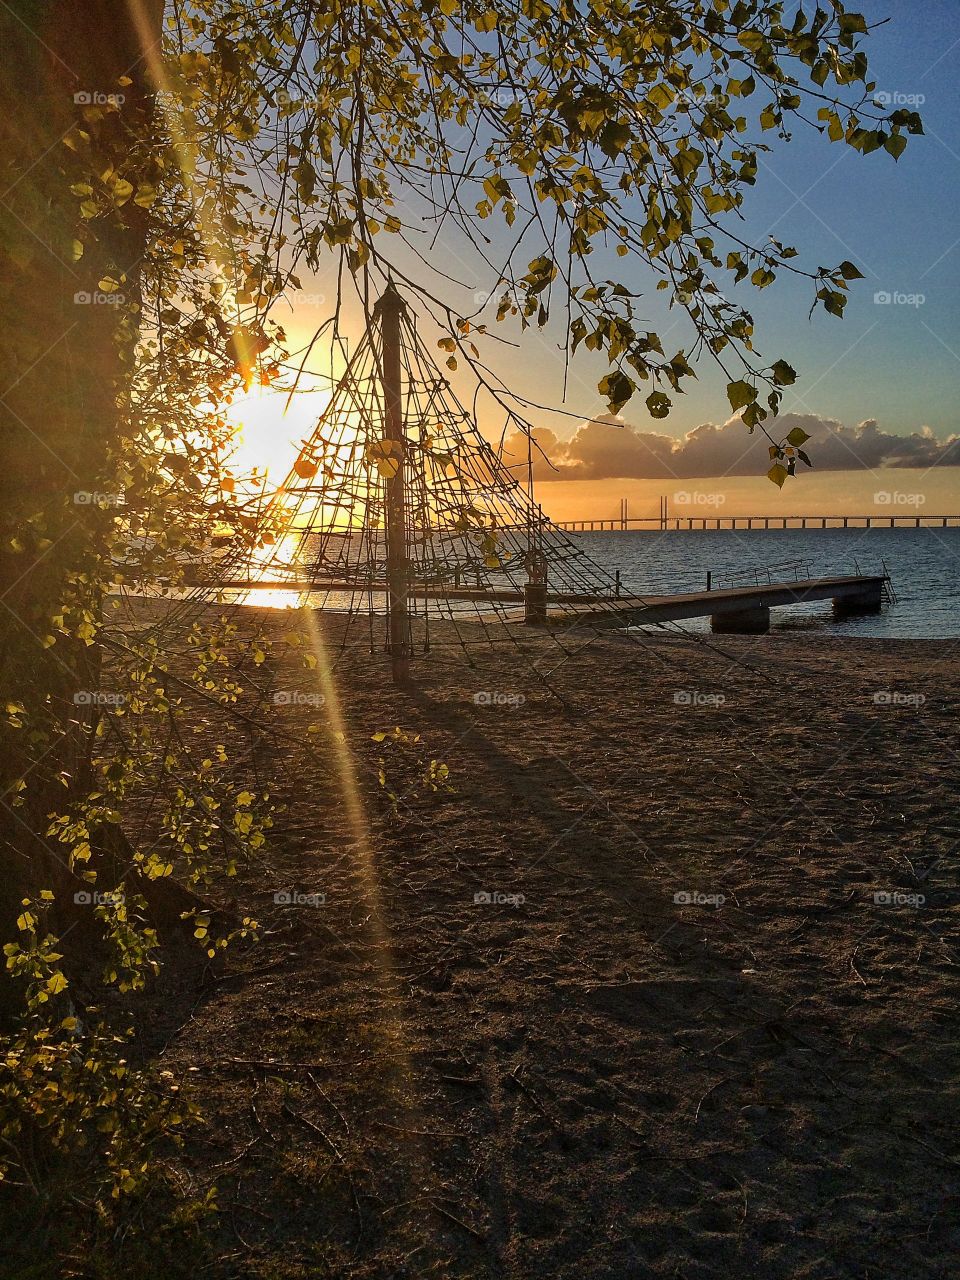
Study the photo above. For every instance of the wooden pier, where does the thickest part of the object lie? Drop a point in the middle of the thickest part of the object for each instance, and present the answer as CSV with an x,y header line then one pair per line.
x,y
744,610
740,609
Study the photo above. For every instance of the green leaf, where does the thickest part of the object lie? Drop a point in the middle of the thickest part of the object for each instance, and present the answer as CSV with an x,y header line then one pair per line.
x,y
896,144
740,394
618,389
778,473
783,374
849,271
798,437
659,404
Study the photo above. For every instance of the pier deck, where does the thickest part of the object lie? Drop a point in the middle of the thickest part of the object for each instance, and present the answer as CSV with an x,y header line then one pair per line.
x,y
731,609
735,609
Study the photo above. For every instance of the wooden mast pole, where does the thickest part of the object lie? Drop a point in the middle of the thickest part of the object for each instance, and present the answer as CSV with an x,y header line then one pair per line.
x,y
391,308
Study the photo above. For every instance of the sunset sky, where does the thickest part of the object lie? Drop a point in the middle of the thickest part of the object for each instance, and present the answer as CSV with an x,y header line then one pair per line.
x,y
893,361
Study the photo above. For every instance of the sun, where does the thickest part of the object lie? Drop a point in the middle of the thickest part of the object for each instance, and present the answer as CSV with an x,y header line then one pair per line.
x,y
269,432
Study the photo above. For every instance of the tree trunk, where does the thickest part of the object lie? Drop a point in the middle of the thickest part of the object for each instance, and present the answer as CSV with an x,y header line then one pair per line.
x,y
60,375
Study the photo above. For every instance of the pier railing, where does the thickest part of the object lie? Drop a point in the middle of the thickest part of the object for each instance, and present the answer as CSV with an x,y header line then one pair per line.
x,y
766,575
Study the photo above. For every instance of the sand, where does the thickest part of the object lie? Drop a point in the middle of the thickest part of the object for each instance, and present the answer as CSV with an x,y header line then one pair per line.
x,y
683,1037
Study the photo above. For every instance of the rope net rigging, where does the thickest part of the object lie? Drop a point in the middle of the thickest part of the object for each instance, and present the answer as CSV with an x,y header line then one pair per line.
x,y
399,512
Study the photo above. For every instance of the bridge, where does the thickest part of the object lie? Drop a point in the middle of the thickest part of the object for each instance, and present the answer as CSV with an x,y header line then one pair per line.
x,y
675,523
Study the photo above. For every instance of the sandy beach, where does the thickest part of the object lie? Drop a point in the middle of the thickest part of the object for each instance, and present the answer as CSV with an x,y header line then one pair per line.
x,y
664,986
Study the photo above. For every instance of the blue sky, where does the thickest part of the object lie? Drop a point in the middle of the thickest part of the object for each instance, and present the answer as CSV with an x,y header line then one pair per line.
x,y
899,363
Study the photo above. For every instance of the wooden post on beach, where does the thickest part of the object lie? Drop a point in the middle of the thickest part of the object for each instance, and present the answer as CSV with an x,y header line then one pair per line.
x,y
391,308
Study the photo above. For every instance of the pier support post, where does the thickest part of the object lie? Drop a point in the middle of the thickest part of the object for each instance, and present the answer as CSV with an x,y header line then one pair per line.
x,y
747,622
867,600
535,604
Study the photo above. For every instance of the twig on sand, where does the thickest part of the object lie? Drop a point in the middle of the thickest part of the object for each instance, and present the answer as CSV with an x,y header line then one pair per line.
x,y
329,1101
297,1115
310,1124
528,1092
716,1085
452,1217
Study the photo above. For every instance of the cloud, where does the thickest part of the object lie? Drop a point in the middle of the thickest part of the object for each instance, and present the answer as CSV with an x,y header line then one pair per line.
x,y
610,448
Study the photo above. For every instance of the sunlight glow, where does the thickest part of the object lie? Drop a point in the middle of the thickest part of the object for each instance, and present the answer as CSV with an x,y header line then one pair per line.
x,y
269,434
